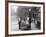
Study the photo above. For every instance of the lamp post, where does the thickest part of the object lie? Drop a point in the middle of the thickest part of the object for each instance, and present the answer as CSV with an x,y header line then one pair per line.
x,y
30,18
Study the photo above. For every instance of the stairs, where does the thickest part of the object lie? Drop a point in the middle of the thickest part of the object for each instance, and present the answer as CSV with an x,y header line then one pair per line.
x,y
14,24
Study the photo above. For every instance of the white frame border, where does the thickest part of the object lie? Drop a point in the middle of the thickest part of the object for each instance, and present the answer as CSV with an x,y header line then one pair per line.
x,y
24,32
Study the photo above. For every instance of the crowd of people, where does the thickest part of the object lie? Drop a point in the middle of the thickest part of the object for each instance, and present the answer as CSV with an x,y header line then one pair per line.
x,y
25,24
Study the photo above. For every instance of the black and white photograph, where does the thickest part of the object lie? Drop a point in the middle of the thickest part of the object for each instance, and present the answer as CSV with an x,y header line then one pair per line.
x,y
25,18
